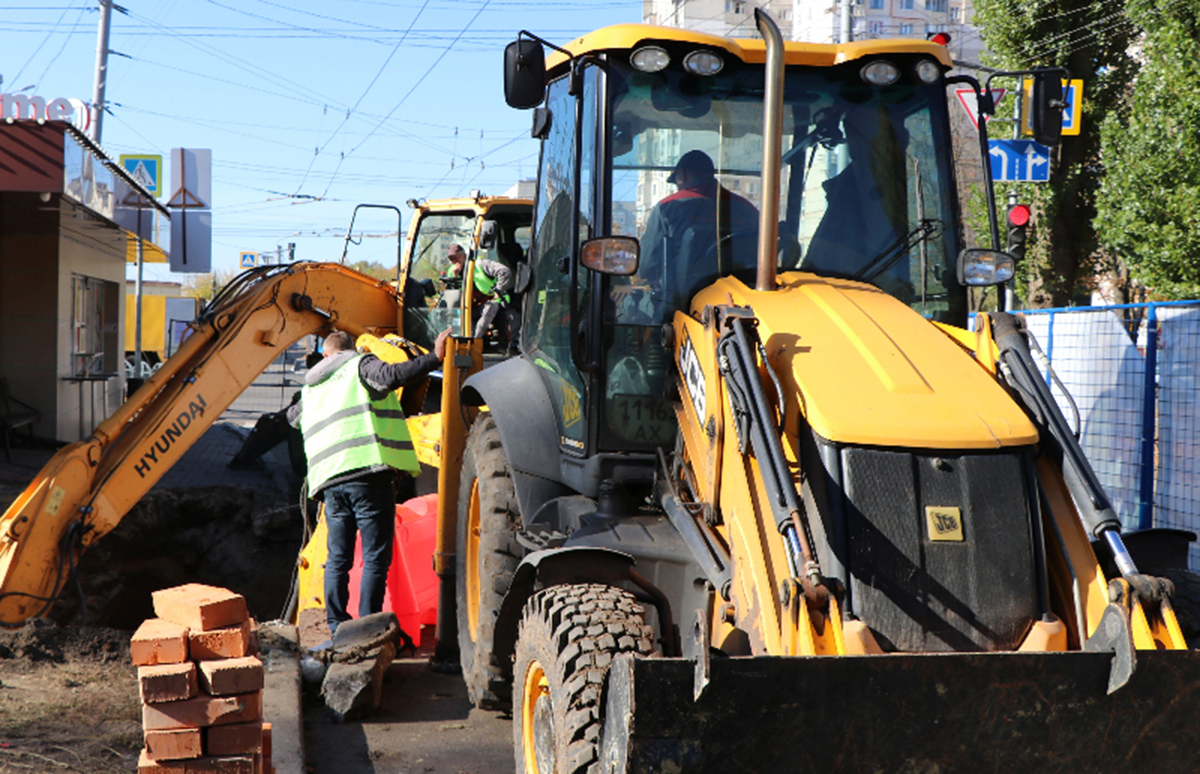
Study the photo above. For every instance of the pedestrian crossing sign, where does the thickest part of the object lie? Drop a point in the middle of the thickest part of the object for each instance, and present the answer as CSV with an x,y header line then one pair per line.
x,y
248,260
146,170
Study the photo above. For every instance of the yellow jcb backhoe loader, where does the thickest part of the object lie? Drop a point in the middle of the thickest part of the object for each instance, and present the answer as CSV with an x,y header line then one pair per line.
x,y
754,498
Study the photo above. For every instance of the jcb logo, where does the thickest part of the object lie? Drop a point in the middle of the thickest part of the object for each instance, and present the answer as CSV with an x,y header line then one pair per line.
x,y
693,376
945,524
571,411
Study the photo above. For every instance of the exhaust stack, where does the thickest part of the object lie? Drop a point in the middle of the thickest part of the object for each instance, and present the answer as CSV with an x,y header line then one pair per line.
x,y
768,217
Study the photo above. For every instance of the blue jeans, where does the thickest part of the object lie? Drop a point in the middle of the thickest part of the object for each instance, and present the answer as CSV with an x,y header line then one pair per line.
x,y
367,506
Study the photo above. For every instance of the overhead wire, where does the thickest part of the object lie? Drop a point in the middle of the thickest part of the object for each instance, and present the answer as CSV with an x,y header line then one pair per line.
x,y
45,40
361,97
414,87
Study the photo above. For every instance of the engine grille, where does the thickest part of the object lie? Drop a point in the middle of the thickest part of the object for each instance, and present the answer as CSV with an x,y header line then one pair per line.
x,y
911,581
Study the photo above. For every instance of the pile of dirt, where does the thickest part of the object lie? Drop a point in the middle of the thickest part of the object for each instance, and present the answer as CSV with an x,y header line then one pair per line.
x,y
42,641
68,700
239,539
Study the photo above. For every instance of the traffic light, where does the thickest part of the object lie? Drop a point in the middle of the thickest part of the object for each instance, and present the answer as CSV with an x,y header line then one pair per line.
x,y
1018,222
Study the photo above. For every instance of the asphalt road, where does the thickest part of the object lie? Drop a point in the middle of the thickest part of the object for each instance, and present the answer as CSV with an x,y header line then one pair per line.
x,y
424,725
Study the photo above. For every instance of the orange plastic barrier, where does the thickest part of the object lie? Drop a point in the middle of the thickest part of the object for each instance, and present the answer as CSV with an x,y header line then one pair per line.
x,y
412,586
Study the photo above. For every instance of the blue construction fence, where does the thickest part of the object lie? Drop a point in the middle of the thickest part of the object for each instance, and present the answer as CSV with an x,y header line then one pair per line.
x,y
1133,372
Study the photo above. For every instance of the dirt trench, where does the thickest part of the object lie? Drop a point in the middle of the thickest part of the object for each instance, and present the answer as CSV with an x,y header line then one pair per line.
x,y
241,539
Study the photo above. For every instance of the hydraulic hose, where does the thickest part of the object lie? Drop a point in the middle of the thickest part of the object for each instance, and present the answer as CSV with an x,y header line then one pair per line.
x,y
1093,505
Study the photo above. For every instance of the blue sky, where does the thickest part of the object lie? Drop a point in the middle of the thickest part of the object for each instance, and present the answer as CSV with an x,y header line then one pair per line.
x,y
309,107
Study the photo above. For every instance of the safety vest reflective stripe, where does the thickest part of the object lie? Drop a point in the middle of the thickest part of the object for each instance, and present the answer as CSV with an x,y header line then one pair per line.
x,y
337,416
360,441
352,431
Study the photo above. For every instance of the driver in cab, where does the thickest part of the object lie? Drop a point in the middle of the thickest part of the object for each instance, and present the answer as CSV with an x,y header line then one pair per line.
x,y
678,246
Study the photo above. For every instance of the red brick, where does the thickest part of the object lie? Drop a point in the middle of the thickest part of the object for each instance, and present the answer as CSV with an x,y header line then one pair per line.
x,y
234,739
200,607
168,682
173,745
231,675
147,765
241,764
230,642
159,642
202,711
266,750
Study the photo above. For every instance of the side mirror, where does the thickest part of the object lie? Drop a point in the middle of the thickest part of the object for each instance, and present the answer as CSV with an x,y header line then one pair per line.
x,y
611,255
1047,107
978,267
488,231
524,74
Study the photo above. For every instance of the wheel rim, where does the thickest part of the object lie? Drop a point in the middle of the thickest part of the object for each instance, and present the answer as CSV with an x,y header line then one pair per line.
x,y
537,725
471,563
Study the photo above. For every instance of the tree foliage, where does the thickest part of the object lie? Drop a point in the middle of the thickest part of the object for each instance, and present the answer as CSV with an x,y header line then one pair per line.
x,y
373,269
1091,40
1148,208
202,286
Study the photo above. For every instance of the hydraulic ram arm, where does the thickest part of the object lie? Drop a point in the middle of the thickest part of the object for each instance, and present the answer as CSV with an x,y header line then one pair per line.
x,y
1092,503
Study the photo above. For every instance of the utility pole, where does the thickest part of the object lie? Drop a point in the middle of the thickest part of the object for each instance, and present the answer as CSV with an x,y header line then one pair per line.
x,y
101,70
845,33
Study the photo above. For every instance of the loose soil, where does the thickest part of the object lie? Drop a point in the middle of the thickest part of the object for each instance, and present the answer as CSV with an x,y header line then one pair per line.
x,y
68,700
68,691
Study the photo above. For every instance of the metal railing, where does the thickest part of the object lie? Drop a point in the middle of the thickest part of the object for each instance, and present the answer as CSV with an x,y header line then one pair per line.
x,y
1133,372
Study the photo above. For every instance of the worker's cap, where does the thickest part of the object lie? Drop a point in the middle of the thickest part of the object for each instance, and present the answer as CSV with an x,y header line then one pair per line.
x,y
696,162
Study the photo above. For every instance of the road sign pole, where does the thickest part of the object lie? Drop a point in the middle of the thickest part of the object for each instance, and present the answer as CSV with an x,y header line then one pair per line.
x,y
137,300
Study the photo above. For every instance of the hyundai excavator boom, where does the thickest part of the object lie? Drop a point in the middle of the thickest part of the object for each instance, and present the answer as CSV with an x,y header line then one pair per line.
x,y
88,486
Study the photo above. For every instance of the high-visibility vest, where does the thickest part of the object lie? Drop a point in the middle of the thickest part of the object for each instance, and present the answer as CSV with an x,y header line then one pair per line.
x,y
485,284
345,430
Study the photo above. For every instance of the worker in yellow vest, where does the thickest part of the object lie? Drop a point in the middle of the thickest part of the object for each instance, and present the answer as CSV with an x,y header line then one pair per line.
x,y
493,283
356,440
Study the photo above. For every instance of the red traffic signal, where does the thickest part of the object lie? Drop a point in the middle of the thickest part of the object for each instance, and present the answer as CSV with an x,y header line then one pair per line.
x,y
1018,215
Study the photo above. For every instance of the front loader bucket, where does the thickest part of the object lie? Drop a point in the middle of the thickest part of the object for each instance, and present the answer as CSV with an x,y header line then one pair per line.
x,y
918,714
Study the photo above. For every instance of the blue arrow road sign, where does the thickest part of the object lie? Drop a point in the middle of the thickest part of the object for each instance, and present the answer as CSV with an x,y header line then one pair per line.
x,y
1019,161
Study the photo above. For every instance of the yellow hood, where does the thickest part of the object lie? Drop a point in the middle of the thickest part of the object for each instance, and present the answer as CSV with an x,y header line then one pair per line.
x,y
869,370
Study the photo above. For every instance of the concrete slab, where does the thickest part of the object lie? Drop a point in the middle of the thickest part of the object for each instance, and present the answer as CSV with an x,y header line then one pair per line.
x,y
279,646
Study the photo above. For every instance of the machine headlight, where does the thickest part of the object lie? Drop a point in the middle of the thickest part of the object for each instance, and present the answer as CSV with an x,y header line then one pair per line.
x,y
703,63
880,73
928,71
650,59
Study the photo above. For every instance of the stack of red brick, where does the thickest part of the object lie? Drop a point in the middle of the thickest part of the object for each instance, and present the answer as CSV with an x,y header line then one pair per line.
x,y
201,683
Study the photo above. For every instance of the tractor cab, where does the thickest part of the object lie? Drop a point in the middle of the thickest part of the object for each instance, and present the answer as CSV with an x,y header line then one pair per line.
x,y
657,134
435,296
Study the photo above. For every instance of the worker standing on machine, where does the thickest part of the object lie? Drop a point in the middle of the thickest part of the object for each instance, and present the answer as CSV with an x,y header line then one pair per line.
x,y
493,281
356,440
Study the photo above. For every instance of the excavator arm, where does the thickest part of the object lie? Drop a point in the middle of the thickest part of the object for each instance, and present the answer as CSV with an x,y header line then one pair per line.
x,y
88,486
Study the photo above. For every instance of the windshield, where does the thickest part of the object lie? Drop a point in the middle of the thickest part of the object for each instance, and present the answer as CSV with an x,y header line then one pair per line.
x,y
432,296
866,184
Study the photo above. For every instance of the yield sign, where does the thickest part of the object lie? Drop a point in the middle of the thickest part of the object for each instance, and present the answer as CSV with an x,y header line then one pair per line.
x,y
966,97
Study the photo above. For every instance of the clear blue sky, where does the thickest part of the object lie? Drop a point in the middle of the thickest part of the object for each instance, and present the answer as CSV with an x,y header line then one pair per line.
x,y
308,107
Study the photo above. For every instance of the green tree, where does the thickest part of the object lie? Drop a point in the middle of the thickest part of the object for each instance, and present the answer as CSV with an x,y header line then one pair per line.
x,y
373,269
1148,208
1091,40
202,285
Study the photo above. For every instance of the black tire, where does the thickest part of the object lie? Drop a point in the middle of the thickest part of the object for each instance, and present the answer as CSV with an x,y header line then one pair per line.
x,y
568,637
1186,603
487,556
